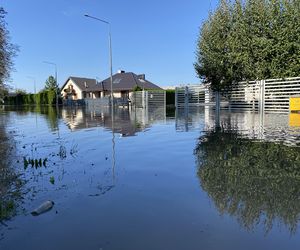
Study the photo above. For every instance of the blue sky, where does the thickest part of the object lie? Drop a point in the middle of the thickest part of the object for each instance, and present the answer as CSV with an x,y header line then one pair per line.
x,y
154,37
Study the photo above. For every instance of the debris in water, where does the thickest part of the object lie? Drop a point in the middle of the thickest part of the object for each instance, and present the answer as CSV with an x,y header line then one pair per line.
x,y
52,180
44,207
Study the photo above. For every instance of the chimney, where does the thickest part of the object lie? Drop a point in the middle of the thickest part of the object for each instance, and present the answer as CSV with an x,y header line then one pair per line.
x,y
121,71
142,77
85,85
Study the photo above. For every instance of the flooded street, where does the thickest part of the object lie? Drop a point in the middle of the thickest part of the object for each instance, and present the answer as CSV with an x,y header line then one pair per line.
x,y
149,179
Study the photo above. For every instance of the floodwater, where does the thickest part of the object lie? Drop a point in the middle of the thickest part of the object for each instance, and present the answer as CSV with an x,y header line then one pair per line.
x,y
149,179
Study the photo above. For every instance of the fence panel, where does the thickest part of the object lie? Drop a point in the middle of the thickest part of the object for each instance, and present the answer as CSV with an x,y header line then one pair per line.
x,y
149,98
271,95
244,95
99,102
278,93
193,95
137,99
156,98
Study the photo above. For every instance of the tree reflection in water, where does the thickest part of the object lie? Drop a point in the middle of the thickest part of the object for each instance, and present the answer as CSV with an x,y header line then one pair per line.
x,y
257,182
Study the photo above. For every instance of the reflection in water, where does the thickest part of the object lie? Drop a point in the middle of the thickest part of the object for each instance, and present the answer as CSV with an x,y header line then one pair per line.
x,y
270,127
246,172
126,122
256,181
49,113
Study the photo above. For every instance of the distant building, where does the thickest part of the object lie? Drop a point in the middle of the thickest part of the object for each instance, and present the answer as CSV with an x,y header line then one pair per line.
x,y
124,83
169,87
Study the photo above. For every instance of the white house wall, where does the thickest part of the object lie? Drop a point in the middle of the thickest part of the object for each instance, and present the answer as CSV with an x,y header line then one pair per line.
x,y
75,87
117,94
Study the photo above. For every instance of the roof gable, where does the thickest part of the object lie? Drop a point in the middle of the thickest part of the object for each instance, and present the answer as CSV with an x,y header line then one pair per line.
x,y
85,84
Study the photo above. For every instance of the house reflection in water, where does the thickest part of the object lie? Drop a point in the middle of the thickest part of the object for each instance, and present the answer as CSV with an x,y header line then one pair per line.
x,y
126,122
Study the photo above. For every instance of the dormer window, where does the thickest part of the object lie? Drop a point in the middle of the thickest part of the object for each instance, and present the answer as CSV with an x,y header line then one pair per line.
x,y
118,80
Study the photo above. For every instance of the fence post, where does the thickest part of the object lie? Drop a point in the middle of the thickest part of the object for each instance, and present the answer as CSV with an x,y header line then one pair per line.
x,y
262,96
253,98
176,98
217,97
207,97
143,99
146,97
186,97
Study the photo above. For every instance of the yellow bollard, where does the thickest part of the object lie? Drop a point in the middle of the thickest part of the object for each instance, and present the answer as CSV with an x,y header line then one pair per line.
x,y
294,120
295,104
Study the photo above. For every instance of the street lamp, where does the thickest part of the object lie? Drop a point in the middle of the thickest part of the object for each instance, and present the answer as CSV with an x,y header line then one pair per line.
x,y
111,90
56,84
110,56
34,85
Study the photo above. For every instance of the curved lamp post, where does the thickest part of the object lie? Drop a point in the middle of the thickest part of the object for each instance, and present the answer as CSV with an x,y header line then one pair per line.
x,y
110,56
111,90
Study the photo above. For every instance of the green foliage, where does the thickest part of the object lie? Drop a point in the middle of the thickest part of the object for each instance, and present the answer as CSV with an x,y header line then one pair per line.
x,y
45,97
7,209
20,92
52,180
3,92
10,181
170,97
50,83
137,88
248,40
35,163
7,53
254,181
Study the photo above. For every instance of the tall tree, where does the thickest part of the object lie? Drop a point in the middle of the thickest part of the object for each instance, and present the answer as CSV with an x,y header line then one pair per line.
x,y
50,83
7,53
212,47
248,40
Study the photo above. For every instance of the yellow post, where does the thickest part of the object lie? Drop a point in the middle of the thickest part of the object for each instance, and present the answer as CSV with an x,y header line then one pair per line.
x,y
294,120
295,104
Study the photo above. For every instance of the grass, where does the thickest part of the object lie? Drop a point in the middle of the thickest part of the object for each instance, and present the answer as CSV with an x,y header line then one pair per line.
x,y
38,162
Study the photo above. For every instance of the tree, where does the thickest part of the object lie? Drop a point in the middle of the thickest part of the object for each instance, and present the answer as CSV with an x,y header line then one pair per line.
x,y
137,88
20,92
50,83
248,40
7,53
212,47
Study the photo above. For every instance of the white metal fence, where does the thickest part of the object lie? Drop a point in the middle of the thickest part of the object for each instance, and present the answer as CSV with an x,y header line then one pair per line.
x,y
149,98
277,93
193,95
270,95
99,102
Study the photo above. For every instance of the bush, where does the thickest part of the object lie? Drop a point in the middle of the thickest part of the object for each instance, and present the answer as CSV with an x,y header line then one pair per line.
x,y
47,97
170,96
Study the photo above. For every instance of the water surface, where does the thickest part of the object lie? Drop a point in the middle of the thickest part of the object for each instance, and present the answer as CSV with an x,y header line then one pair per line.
x,y
149,179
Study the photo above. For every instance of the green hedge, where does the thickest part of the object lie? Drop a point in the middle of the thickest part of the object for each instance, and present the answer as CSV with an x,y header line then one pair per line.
x,y
42,98
170,96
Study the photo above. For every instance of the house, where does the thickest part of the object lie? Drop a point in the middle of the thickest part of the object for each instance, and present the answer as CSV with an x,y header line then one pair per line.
x,y
124,83
76,88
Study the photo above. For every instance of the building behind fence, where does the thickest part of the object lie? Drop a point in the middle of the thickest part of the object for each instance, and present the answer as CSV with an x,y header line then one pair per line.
x,y
270,95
